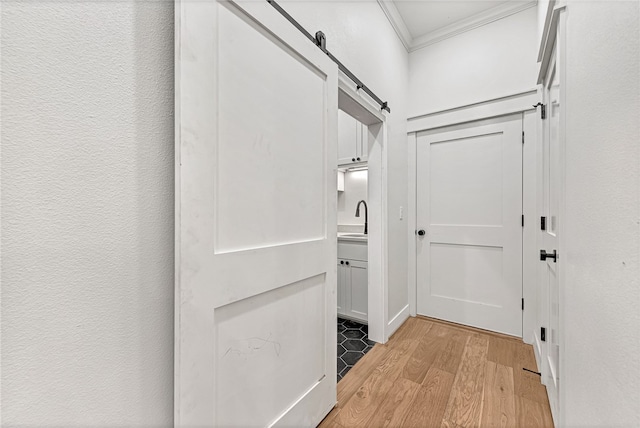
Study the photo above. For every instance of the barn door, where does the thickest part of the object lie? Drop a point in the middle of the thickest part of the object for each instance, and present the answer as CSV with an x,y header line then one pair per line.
x,y
256,113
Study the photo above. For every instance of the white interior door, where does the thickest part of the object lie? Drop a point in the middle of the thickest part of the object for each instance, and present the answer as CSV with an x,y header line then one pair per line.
x,y
469,205
551,209
255,219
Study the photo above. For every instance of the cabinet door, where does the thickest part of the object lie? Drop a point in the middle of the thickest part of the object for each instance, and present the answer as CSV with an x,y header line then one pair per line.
x,y
362,154
342,276
347,138
358,290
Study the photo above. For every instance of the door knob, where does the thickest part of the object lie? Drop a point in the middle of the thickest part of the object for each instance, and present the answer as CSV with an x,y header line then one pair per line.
x,y
341,262
347,263
544,255
421,232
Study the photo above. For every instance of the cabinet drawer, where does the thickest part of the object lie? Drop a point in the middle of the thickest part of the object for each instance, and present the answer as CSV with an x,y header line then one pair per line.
x,y
352,251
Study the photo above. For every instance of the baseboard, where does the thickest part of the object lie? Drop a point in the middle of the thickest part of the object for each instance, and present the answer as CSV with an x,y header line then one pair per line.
x,y
327,412
352,318
537,352
397,321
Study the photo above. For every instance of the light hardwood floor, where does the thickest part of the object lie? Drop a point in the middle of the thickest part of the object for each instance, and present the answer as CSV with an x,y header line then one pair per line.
x,y
437,374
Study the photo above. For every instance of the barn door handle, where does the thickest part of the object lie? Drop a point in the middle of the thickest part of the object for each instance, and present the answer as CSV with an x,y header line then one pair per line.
x,y
544,255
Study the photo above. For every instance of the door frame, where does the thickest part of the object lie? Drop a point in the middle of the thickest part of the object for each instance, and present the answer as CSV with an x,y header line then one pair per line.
x,y
516,103
553,52
357,105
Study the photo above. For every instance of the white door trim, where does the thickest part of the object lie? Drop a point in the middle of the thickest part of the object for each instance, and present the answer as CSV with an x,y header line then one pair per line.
x,y
530,161
500,106
518,103
358,106
412,151
551,24
561,42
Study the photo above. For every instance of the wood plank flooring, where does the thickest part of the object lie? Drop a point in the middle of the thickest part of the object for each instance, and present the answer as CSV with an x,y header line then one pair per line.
x,y
437,374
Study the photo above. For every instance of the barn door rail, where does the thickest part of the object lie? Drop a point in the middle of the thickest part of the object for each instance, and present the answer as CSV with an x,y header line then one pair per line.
x,y
320,41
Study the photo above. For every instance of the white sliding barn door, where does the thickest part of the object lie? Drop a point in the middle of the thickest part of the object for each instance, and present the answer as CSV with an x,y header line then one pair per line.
x,y
256,107
469,207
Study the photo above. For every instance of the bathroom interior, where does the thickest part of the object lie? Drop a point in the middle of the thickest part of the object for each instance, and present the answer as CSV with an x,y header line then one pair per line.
x,y
353,212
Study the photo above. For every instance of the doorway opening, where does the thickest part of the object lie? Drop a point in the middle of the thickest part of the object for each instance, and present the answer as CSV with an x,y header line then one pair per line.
x,y
362,261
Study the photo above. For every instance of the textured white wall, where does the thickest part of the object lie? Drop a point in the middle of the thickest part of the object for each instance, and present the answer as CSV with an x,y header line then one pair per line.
x,y
87,213
355,190
491,61
601,383
359,34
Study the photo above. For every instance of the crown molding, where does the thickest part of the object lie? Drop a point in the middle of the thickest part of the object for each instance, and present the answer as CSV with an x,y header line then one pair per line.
x,y
471,23
391,11
459,27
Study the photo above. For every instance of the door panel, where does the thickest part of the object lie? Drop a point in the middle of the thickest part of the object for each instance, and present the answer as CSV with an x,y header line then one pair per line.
x,y
359,289
341,287
363,142
255,250
256,140
466,181
454,266
257,351
469,190
347,138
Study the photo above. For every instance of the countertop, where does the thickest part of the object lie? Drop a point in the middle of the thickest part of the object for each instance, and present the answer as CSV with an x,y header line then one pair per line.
x,y
353,237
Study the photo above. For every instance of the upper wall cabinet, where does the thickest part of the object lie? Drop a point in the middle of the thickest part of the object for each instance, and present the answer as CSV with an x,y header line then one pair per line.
x,y
352,140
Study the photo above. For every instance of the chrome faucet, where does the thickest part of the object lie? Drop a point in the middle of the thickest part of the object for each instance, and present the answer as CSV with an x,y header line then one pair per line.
x,y
366,213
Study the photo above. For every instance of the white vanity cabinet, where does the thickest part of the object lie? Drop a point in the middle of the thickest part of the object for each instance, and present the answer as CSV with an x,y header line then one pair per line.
x,y
341,288
353,281
352,140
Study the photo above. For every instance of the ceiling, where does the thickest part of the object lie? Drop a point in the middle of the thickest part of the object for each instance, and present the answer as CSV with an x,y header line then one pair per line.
x,y
422,17
422,22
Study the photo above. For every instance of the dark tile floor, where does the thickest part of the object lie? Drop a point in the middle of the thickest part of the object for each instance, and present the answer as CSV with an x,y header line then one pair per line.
x,y
353,343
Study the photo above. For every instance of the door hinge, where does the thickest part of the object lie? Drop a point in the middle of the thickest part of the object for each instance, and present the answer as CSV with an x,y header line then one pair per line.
x,y
543,223
543,110
522,137
523,303
543,334
522,220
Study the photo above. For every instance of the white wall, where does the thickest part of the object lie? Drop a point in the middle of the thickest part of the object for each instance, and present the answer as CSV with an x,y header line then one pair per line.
x,y
87,200
355,190
87,213
359,34
602,255
491,61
